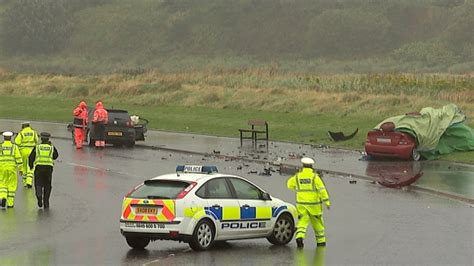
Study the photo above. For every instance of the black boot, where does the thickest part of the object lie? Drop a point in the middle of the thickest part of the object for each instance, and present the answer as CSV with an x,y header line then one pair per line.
x,y
3,203
299,242
322,244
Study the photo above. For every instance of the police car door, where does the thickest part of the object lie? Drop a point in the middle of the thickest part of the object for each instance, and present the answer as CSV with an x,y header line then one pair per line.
x,y
221,206
255,212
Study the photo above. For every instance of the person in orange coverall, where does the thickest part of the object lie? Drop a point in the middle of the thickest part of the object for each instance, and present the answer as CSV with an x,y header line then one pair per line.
x,y
80,123
101,118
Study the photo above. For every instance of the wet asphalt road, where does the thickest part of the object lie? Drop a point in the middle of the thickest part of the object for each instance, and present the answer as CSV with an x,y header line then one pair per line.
x,y
368,224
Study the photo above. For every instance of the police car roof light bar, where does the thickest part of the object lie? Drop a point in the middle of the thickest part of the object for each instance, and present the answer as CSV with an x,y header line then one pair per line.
x,y
199,169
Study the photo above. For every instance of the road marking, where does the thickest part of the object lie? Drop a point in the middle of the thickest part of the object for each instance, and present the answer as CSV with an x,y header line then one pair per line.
x,y
150,262
160,259
100,169
85,166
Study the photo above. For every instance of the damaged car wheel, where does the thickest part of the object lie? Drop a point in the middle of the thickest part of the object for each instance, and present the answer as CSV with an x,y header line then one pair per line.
x,y
415,155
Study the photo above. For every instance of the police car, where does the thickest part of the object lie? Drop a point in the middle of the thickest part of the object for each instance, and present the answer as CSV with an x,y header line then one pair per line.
x,y
198,205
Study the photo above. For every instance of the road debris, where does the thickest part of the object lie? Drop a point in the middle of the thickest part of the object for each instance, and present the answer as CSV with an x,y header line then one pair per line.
x,y
339,136
323,146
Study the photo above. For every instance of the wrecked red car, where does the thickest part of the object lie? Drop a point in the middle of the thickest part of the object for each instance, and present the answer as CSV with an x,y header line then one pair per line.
x,y
388,143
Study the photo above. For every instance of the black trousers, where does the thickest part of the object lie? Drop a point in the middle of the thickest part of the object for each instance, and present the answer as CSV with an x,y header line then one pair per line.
x,y
43,178
99,130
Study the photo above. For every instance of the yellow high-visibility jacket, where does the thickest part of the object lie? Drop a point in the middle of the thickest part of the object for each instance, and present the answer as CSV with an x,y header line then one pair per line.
x,y
310,191
27,138
44,155
10,155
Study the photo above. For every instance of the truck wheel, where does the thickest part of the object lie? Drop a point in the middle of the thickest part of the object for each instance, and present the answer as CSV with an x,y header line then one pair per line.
x,y
283,231
203,236
137,242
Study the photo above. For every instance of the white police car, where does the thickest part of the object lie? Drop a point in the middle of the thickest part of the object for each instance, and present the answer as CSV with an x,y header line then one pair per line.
x,y
198,206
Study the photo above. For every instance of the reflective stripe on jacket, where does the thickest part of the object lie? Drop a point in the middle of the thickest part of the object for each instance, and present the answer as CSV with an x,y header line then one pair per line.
x,y
27,138
44,155
310,191
10,155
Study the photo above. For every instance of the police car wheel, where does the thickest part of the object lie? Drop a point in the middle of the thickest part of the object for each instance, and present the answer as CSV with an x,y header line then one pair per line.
x,y
203,236
283,231
137,242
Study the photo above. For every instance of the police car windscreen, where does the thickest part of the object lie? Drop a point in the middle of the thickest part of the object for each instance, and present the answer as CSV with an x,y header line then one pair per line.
x,y
160,189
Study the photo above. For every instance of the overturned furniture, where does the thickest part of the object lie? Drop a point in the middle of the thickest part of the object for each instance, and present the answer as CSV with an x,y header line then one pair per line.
x,y
258,131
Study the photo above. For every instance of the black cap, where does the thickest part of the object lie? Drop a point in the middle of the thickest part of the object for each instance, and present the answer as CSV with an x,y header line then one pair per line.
x,y
45,135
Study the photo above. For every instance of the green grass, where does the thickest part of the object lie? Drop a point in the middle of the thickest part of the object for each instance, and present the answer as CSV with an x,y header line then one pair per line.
x,y
294,127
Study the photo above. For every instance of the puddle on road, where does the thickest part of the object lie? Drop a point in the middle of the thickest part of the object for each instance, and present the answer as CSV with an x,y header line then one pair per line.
x,y
448,177
441,176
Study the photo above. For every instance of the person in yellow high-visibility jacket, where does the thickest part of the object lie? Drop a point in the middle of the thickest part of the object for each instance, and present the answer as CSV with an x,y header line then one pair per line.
x,y
26,140
42,161
311,194
10,162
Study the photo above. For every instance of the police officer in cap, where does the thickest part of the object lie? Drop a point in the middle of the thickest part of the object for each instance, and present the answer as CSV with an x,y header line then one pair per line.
x,y
42,161
311,194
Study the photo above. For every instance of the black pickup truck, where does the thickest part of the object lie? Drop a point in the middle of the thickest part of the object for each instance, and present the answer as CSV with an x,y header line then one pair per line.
x,y
120,130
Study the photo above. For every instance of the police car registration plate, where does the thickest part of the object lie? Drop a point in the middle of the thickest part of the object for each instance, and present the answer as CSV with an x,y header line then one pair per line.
x,y
146,210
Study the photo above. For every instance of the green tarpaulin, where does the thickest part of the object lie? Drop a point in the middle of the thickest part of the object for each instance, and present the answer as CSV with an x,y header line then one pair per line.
x,y
437,131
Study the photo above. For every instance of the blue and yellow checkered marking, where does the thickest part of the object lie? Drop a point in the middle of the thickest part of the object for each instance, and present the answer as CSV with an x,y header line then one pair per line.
x,y
234,213
248,213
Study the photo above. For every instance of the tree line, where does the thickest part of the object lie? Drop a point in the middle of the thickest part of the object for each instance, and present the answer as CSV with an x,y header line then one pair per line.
x,y
428,31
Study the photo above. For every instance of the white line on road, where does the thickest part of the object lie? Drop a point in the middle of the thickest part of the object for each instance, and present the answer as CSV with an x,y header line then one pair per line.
x,y
99,169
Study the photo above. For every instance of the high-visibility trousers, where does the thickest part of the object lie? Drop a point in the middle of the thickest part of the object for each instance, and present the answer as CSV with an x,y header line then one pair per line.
x,y
79,134
27,172
3,184
304,217
9,176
